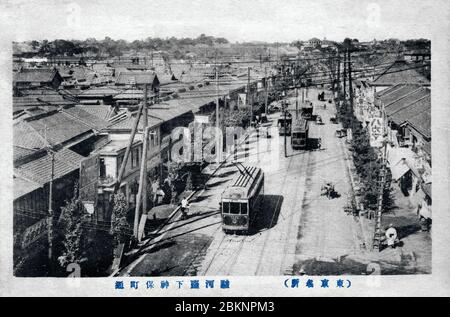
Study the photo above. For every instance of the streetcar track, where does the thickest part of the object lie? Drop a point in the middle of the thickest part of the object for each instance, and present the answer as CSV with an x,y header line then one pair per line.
x,y
258,267
302,167
240,245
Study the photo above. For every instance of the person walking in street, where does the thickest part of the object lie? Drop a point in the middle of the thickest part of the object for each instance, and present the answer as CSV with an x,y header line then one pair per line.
x,y
319,143
184,208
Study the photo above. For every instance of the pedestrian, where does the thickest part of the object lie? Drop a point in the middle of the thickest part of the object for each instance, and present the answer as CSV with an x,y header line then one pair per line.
x,y
184,208
159,196
391,236
319,143
155,188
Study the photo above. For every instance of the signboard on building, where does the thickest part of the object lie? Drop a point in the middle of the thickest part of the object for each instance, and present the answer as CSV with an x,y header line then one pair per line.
x,y
376,131
34,232
89,176
242,99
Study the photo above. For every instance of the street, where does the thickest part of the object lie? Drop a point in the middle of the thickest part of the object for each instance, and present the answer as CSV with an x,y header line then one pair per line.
x,y
296,228
297,232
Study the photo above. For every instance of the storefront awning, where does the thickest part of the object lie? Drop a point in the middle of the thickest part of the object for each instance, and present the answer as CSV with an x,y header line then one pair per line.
x,y
399,169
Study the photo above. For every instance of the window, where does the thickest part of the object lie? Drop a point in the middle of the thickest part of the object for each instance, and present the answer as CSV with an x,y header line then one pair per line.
x,y
152,139
235,208
244,210
102,168
135,158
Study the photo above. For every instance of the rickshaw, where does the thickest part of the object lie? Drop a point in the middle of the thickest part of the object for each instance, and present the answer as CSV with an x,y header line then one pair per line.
x,y
319,120
328,190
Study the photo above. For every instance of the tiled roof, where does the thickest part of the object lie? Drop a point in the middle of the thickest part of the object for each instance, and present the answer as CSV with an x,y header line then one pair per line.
x,y
100,111
99,92
418,116
26,137
400,72
22,186
35,75
394,93
133,94
171,109
128,121
21,152
85,117
115,146
405,100
136,78
39,170
58,127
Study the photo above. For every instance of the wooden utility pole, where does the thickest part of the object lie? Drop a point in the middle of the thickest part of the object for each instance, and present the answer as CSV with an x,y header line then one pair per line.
x,y
248,95
145,150
50,208
350,87
338,73
344,77
376,244
266,91
303,95
142,191
218,149
296,102
285,133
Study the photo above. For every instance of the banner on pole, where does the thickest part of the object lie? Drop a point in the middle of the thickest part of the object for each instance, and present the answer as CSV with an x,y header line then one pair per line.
x,y
376,131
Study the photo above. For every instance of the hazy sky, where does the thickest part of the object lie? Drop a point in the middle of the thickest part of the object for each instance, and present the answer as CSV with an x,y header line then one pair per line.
x,y
250,20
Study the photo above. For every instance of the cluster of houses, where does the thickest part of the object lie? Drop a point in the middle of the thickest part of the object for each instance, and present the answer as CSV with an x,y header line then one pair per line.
x,y
63,115
401,95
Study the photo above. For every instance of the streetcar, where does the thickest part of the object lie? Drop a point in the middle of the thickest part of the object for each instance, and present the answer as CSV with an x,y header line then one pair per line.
x,y
284,123
300,130
307,110
241,202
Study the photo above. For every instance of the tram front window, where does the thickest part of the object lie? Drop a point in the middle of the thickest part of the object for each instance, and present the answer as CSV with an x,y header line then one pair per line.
x,y
299,135
235,208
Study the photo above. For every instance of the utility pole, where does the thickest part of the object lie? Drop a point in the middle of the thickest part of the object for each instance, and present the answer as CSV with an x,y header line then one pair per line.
x,y
285,132
303,95
142,191
382,179
50,208
50,202
350,89
344,77
338,73
145,150
296,102
266,92
218,150
248,95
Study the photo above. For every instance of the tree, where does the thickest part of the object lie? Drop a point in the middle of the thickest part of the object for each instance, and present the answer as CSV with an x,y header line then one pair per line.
x,y
237,117
72,219
120,226
173,169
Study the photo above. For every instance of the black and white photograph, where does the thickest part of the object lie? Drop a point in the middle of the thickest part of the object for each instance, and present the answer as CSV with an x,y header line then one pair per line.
x,y
179,145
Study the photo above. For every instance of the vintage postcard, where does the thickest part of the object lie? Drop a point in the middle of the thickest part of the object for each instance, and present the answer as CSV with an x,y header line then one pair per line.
x,y
225,148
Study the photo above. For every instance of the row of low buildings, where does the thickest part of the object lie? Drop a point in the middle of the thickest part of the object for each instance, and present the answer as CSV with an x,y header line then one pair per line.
x,y
57,128
402,97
